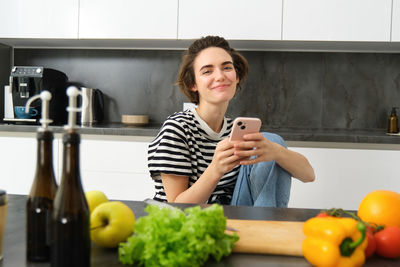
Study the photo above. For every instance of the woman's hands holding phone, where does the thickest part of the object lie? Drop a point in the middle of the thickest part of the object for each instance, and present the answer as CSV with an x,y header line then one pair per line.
x,y
229,154
256,148
224,159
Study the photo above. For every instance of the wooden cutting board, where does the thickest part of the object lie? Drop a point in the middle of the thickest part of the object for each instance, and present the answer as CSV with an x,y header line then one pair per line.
x,y
268,237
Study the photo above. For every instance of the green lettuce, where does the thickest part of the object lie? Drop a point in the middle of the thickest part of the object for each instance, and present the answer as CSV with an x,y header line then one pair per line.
x,y
170,237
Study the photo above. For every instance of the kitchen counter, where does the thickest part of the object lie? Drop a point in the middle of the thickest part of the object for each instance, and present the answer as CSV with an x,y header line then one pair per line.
x,y
108,129
289,134
15,251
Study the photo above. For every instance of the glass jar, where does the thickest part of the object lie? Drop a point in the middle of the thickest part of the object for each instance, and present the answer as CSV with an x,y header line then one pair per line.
x,y
3,216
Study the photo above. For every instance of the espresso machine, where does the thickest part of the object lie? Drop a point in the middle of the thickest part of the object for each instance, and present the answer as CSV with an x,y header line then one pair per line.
x,y
26,82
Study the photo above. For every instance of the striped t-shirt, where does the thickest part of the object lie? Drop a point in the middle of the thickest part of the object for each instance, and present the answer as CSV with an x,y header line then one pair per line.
x,y
185,146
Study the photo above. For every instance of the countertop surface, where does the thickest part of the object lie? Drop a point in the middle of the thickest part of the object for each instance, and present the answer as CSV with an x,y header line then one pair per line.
x,y
15,251
376,136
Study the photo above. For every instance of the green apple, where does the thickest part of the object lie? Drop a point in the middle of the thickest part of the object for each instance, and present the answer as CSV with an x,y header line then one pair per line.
x,y
95,198
111,223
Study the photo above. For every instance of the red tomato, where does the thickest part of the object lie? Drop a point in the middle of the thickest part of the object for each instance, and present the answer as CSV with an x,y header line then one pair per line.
x,y
371,247
370,229
388,242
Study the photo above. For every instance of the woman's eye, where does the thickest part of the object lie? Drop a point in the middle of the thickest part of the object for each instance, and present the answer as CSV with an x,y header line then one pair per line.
x,y
228,68
206,72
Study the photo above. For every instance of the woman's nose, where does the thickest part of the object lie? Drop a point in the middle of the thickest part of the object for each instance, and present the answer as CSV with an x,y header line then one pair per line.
x,y
219,75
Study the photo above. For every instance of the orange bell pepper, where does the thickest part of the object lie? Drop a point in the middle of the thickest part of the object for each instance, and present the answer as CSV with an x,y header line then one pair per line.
x,y
334,242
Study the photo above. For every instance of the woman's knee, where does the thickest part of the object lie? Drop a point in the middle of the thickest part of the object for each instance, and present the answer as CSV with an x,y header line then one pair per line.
x,y
274,138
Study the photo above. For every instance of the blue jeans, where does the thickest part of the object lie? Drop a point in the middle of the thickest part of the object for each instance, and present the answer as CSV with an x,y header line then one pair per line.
x,y
264,184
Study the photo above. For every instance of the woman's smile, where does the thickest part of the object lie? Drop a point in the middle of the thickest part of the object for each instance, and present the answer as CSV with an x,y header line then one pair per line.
x,y
220,87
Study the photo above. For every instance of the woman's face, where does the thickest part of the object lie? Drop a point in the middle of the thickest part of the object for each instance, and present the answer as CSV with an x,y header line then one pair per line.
x,y
215,76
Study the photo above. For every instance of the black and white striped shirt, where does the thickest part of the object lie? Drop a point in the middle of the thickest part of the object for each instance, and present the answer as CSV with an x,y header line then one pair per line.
x,y
185,146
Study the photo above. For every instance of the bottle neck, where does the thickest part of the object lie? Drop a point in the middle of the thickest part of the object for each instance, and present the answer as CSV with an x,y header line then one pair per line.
x,y
71,168
45,153
70,195
44,184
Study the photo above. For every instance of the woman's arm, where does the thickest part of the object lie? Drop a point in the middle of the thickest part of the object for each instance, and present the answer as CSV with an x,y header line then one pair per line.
x,y
176,187
177,190
295,163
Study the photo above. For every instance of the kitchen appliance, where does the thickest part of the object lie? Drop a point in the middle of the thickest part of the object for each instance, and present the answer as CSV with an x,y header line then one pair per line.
x,y
92,106
27,81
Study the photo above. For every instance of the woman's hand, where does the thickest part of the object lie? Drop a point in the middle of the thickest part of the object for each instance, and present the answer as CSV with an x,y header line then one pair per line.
x,y
256,145
224,159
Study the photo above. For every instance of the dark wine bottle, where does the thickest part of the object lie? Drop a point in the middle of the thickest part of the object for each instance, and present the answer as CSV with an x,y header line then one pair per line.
x,y
70,244
39,204
40,201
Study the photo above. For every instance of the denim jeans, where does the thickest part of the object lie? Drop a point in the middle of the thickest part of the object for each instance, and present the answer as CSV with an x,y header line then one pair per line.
x,y
264,184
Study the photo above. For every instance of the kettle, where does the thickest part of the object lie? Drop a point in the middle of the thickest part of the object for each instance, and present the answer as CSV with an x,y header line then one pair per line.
x,y
92,106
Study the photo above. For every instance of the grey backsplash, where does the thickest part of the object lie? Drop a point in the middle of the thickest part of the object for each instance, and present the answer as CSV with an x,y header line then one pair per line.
x,y
291,90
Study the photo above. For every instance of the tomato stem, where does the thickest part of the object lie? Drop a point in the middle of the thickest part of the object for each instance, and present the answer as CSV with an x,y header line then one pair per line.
x,y
340,212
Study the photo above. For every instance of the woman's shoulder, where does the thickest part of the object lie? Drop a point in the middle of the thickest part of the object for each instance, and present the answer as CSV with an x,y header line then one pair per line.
x,y
181,116
178,122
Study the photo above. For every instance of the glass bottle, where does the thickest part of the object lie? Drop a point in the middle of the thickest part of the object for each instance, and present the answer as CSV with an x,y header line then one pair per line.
x,y
70,218
40,201
39,204
393,125
70,239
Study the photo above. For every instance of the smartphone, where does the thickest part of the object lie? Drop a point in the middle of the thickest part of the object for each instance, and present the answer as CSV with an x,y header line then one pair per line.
x,y
244,125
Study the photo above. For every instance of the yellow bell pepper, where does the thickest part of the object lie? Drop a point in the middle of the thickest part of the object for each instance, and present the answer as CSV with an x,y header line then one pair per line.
x,y
334,242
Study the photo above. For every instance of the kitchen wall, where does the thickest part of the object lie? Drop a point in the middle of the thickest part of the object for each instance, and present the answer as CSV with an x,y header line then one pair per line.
x,y
285,89
5,64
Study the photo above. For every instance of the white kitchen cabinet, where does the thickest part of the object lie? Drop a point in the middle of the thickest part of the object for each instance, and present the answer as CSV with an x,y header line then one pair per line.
x,y
120,185
128,19
232,19
39,19
18,163
117,168
345,176
396,21
337,20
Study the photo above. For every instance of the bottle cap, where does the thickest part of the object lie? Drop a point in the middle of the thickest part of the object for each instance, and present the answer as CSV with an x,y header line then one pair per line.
x,y
45,135
71,138
45,96
393,113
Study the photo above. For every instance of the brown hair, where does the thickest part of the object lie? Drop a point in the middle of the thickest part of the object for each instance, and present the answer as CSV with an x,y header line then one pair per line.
x,y
186,77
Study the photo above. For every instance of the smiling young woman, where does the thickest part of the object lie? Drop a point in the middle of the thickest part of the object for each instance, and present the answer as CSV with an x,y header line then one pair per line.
x,y
215,79
192,160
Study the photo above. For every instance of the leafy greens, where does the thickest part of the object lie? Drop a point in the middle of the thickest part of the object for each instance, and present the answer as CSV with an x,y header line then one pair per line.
x,y
169,237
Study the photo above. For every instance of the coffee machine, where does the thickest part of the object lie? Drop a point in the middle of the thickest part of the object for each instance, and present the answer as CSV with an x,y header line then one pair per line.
x,y
26,82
